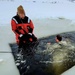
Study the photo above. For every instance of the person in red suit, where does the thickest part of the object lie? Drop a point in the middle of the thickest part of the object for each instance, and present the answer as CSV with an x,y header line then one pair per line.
x,y
23,27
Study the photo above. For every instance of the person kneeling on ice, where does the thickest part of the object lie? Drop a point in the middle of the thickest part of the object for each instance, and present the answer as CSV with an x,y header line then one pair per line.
x,y
23,27
58,44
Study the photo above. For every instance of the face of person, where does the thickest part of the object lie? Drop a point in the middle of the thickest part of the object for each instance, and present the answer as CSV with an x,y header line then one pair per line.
x,y
21,15
56,40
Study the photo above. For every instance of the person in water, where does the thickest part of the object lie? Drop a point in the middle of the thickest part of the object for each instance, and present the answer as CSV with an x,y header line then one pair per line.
x,y
58,44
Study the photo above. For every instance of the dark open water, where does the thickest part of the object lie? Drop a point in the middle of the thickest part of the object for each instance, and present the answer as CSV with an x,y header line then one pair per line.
x,y
46,63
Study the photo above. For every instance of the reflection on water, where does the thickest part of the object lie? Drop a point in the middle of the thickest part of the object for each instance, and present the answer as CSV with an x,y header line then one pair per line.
x,y
62,60
51,62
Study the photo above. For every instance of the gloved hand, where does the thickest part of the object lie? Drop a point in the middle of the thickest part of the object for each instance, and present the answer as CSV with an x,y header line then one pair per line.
x,y
23,37
20,36
30,34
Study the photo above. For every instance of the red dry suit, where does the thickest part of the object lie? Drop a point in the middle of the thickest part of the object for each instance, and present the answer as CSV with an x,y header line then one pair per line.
x,y
21,26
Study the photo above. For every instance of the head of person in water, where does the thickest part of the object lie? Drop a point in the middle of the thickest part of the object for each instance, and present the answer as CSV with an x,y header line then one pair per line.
x,y
21,12
58,38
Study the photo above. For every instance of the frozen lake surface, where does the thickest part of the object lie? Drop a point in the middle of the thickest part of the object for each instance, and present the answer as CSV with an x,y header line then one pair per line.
x,y
49,17
43,28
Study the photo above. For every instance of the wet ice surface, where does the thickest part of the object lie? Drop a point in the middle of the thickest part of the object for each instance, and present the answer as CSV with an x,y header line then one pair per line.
x,y
50,62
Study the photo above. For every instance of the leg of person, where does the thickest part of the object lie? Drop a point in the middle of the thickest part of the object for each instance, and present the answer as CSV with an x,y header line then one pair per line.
x,y
20,45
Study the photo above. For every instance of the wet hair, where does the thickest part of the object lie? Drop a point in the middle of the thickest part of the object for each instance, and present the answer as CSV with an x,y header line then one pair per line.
x,y
59,37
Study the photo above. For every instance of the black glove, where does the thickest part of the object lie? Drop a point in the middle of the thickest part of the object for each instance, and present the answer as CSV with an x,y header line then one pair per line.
x,y
30,35
20,36
24,37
